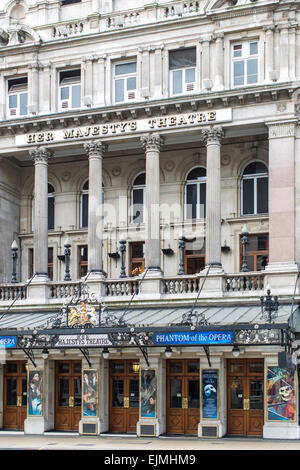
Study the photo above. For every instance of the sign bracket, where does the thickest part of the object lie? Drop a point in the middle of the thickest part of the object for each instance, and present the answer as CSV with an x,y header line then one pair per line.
x,y
86,354
30,355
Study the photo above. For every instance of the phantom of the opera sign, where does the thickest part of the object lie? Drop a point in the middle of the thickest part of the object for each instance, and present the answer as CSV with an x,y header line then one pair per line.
x,y
178,121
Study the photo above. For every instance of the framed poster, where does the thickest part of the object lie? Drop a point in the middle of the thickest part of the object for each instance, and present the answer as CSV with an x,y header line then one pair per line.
x,y
148,393
35,393
90,398
281,395
210,402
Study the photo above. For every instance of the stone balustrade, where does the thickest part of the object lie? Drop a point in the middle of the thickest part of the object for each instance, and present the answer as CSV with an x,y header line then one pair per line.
x,y
121,288
68,29
63,290
181,285
243,282
11,292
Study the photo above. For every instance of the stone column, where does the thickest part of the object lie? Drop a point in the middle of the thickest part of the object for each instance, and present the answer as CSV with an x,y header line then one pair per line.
x,y
219,75
269,35
95,151
205,68
284,51
40,156
152,144
158,76
33,89
87,69
281,195
212,137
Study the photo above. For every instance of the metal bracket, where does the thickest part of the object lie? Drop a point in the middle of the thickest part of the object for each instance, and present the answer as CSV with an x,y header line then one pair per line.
x,y
86,354
143,351
29,354
206,349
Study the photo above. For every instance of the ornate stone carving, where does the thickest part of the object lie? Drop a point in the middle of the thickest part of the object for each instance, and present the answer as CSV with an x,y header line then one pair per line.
x,y
212,134
40,155
95,148
281,129
152,142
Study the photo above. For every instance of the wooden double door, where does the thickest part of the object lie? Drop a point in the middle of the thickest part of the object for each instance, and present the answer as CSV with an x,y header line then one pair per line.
x,y
124,396
68,395
245,393
15,395
183,396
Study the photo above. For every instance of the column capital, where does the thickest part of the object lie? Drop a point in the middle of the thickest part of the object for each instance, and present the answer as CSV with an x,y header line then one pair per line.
x,y
281,129
152,142
212,134
95,148
40,155
268,28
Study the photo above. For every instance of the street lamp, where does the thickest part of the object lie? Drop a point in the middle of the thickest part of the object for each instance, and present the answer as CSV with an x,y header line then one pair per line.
x,y
245,234
123,253
181,246
67,247
269,306
14,255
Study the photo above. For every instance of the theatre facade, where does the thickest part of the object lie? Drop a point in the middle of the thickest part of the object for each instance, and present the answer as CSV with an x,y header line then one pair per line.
x,y
149,207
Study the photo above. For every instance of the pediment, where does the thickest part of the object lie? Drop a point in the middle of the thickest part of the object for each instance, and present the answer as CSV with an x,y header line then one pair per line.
x,y
22,34
224,4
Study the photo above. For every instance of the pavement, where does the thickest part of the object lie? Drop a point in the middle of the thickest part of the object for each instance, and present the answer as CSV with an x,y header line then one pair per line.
x,y
115,445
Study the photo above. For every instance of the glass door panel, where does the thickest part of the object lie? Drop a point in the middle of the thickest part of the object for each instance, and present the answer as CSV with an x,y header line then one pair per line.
x,y
236,394
133,393
63,392
256,394
11,392
24,392
175,393
77,392
194,394
118,393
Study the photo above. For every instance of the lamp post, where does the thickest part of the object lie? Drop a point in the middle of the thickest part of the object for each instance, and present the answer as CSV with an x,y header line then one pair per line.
x,y
14,255
269,306
181,246
123,252
245,234
67,247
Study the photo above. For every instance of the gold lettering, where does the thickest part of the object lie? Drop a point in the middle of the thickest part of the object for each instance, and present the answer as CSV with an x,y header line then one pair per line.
x,y
78,133
172,120
212,115
181,120
151,123
133,125
49,136
104,129
31,139
87,131
69,134
123,126
113,128
95,130
162,122
40,137
201,117
191,118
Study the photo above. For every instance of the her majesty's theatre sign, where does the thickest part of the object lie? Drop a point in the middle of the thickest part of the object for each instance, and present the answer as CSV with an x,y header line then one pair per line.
x,y
110,129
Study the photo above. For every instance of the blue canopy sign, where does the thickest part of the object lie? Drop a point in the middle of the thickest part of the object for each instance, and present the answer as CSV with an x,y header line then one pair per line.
x,y
193,338
8,342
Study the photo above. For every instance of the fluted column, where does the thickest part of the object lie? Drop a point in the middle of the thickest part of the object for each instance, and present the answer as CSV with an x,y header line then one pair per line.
x,y
95,151
269,34
40,157
284,51
219,75
152,144
212,137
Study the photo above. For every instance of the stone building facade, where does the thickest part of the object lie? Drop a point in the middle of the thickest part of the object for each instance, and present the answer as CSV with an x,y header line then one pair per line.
x,y
149,152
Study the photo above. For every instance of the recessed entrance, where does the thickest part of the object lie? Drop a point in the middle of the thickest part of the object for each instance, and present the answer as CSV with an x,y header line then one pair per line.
x,y
124,396
15,395
245,392
68,395
183,396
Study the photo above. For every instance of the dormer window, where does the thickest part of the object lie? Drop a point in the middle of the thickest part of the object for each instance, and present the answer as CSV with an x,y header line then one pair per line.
x,y
17,97
69,89
182,66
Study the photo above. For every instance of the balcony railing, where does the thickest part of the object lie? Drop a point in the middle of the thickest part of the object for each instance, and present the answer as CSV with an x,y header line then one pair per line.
x,y
181,285
121,287
63,290
10,292
243,282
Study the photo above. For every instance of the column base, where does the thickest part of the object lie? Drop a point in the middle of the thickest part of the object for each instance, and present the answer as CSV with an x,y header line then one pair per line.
x,y
153,271
38,289
34,425
152,426
282,267
278,430
93,430
205,428
214,268
96,275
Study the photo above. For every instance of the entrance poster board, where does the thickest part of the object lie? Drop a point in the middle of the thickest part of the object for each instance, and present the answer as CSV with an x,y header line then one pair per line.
x,y
281,395
90,398
35,393
148,393
210,400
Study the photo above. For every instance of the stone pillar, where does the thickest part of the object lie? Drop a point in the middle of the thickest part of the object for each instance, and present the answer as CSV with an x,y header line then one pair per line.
x,y
284,51
87,70
95,150
205,68
219,67
213,136
281,195
40,156
99,78
269,56
33,89
158,76
45,89
145,73
152,144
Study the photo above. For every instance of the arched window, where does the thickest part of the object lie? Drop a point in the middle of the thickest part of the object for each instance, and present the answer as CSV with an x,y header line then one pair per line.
x,y
84,204
50,207
138,199
255,189
195,194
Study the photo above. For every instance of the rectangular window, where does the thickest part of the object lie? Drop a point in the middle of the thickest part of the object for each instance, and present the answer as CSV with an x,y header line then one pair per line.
x,y
182,66
17,97
257,252
137,258
69,89
50,263
125,82
245,63
82,261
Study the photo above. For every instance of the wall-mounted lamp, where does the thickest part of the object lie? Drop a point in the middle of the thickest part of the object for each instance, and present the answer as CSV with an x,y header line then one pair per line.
x,y
136,367
168,251
236,351
105,353
168,352
45,353
225,248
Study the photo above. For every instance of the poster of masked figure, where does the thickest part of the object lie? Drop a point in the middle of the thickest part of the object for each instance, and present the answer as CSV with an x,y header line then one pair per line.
x,y
148,393
281,396
90,393
35,393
